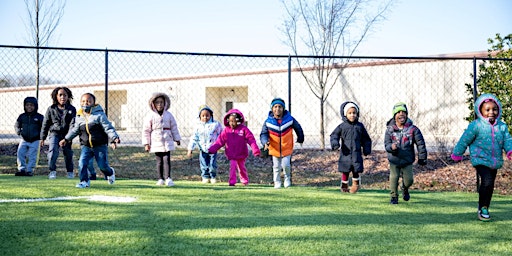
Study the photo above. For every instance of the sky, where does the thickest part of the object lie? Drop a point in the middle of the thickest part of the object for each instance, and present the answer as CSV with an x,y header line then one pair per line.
x,y
412,28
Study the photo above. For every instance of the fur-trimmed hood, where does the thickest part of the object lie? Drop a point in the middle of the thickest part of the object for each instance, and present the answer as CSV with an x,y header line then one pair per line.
x,y
156,95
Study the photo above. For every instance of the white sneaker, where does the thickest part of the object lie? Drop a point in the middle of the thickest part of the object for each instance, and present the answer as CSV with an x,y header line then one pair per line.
x,y
83,184
160,182
112,178
169,182
71,175
205,180
287,182
277,184
52,175
213,180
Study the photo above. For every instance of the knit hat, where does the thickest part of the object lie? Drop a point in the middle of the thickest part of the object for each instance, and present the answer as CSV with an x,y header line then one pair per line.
x,y
400,106
205,107
277,101
349,106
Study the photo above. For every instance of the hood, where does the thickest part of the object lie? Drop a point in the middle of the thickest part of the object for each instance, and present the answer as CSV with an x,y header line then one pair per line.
x,y
236,111
32,100
481,99
205,107
342,111
156,95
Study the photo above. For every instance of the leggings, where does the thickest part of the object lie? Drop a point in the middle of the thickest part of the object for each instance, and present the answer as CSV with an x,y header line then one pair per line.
x,y
163,165
486,189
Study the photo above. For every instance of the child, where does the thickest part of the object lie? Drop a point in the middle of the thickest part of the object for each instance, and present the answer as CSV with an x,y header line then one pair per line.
x,y
486,137
159,132
235,138
399,140
95,131
28,126
353,136
206,132
277,136
56,124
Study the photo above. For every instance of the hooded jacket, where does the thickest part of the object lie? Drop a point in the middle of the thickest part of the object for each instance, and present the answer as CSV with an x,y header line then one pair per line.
x,y
405,139
235,139
57,121
279,132
28,125
355,142
486,141
205,133
94,129
160,131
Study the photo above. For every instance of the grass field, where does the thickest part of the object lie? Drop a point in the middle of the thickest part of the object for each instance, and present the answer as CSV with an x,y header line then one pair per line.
x,y
55,218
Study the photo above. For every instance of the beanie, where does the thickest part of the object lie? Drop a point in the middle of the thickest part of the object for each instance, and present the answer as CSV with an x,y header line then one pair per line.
x,y
205,107
349,106
277,101
400,106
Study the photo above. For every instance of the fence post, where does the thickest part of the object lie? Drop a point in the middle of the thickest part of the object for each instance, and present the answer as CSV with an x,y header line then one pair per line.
x,y
106,81
290,84
474,80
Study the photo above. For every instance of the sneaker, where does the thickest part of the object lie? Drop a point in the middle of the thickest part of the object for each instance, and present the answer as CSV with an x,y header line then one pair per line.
x,y
205,180
29,174
394,200
169,182
83,184
213,180
20,173
287,182
112,178
406,194
52,175
277,184
71,175
160,182
483,214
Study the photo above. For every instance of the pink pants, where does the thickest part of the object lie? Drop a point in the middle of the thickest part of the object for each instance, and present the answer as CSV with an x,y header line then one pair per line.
x,y
237,165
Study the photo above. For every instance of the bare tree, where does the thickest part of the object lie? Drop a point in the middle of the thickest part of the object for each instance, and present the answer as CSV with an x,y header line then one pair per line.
x,y
44,17
325,29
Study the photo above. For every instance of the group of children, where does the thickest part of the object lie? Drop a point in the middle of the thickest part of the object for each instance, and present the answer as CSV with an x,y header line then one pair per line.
x,y
486,138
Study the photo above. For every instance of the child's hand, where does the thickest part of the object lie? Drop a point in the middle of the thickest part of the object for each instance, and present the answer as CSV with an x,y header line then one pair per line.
x,y
456,158
41,143
509,155
147,147
113,145
393,146
62,143
178,142
189,153
266,146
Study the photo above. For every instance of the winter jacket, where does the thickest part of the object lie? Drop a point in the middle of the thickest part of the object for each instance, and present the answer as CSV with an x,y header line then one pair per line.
x,y
405,139
355,142
57,121
29,124
279,132
160,131
235,139
486,141
205,134
94,129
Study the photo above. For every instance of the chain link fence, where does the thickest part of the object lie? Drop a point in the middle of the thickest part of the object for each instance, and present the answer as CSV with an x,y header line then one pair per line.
x,y
123,81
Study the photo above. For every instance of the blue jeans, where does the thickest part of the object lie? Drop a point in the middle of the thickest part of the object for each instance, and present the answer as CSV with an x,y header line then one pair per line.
x,y
208,164
53,153
27,151
90,167
100,153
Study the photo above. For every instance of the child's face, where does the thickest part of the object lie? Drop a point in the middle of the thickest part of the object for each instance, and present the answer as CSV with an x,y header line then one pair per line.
x,y
29,107
62,97
159,104
489,110
277,110
86,100
232,122
352,114
205,116
401,118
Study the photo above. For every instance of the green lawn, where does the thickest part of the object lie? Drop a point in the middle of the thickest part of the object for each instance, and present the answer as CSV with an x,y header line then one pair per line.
x,y
203,219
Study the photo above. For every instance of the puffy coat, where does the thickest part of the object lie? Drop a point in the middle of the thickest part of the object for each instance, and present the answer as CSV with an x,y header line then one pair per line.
x,y
160,131
280,134
28,125
486,141
405,139
355,142
57,121
205,134
94,129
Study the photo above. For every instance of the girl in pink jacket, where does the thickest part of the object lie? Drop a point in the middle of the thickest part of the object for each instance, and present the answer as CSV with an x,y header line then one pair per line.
x,y
235,138
159,132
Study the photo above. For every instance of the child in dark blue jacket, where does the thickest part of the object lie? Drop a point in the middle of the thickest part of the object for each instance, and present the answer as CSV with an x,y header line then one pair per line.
x,y
28,126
